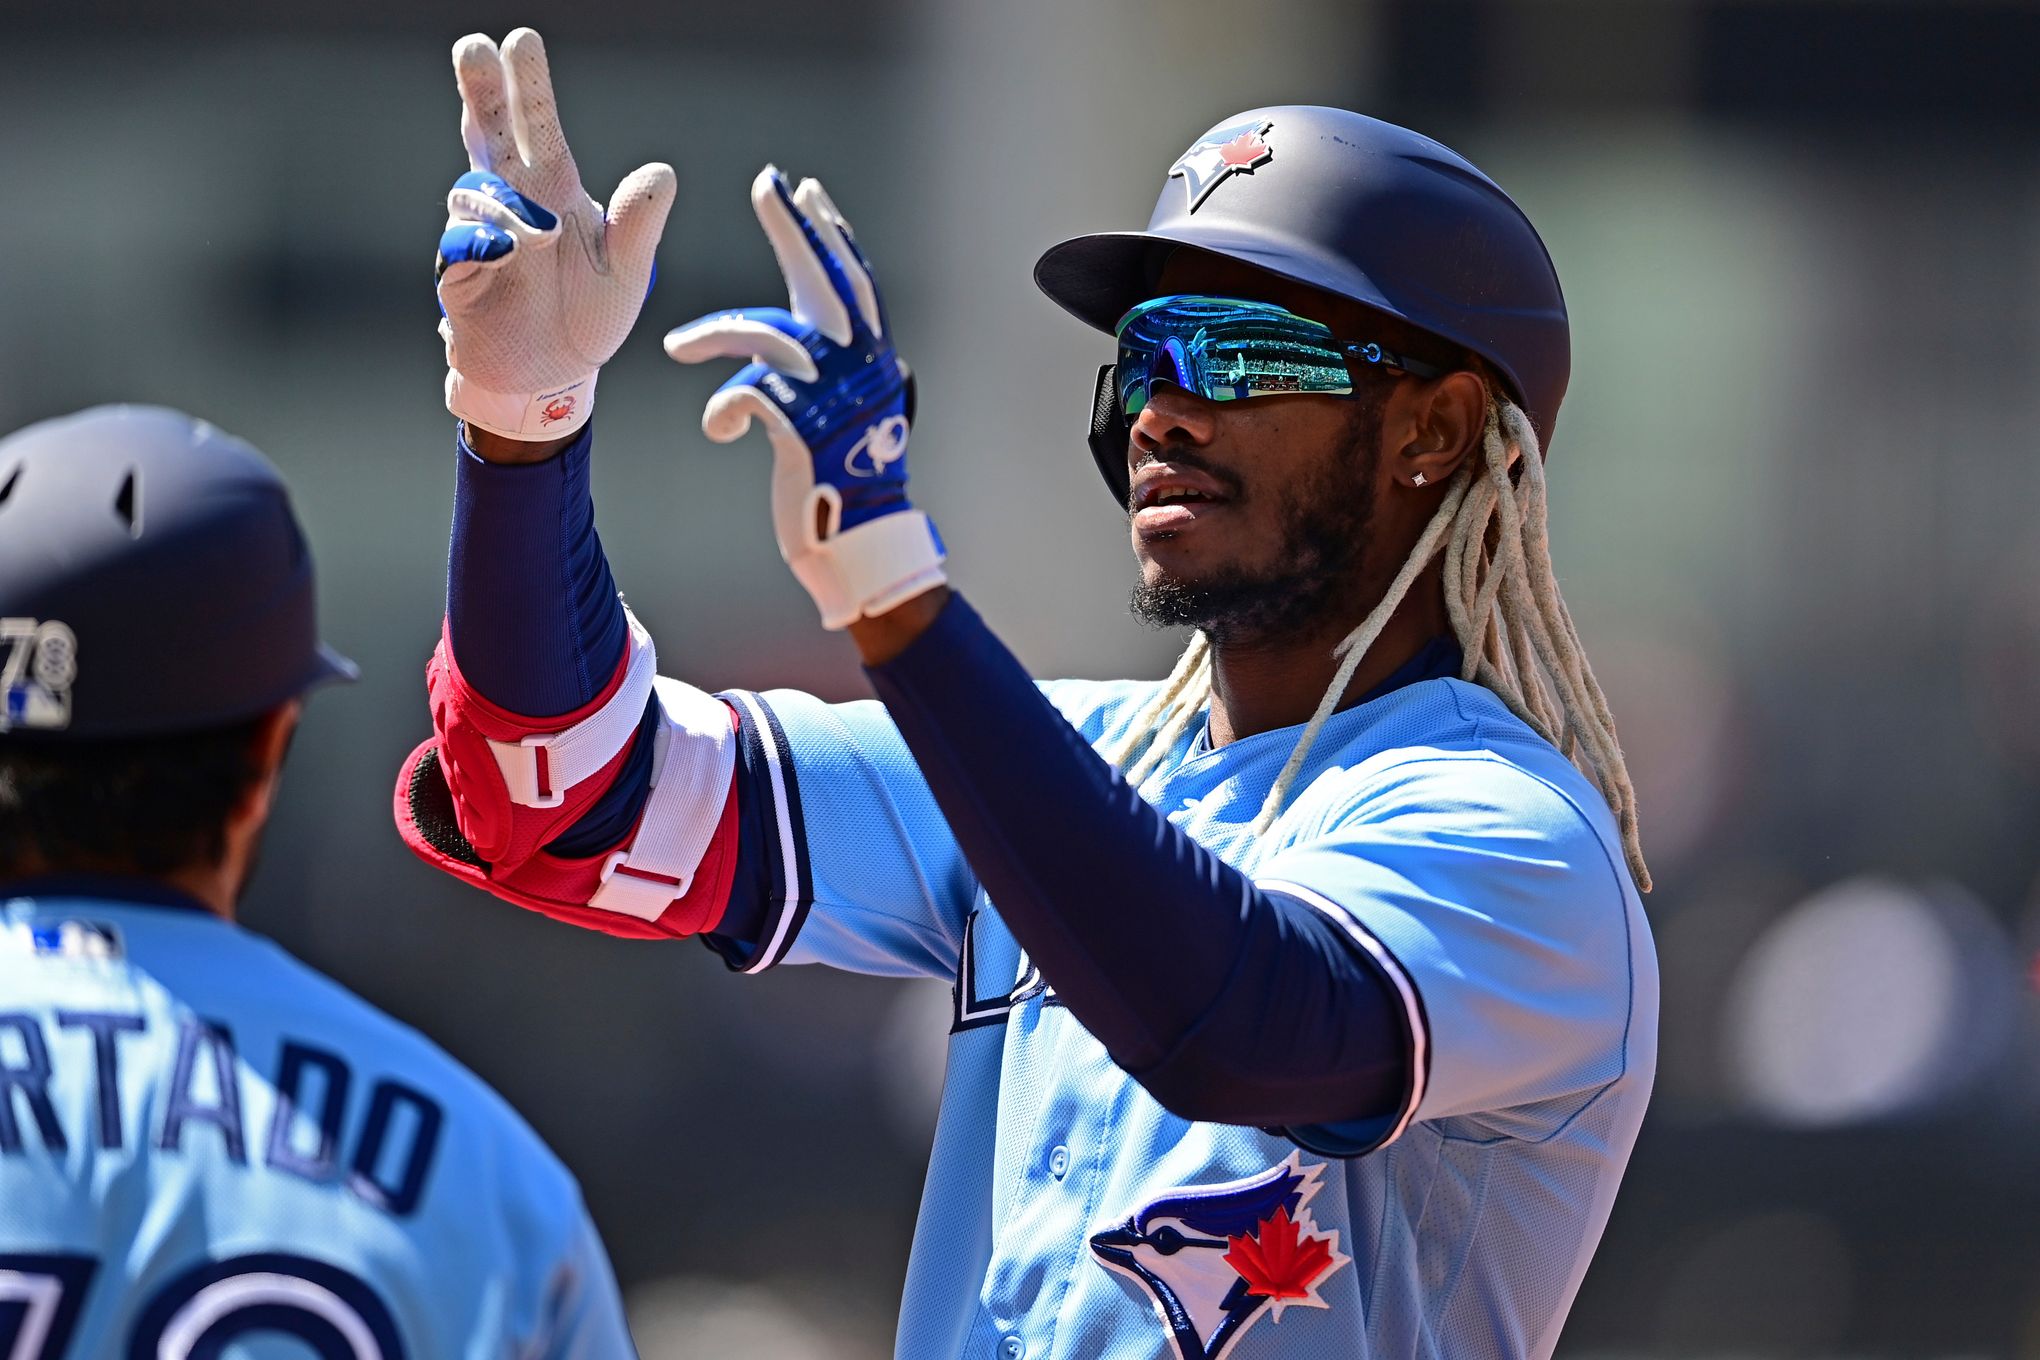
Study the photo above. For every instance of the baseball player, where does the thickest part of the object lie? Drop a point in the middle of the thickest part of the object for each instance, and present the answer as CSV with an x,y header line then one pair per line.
x,y
206,1148
1304,1001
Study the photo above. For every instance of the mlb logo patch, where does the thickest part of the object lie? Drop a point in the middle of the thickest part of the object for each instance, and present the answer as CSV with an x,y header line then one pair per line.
x,y
1232,150
61,939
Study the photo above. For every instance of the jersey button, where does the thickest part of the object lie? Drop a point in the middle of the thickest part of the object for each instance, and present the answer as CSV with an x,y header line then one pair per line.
x,y
1059,1161
1012,1348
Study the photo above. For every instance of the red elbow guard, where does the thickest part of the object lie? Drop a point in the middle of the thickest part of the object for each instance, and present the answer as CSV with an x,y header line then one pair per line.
x,y
483,797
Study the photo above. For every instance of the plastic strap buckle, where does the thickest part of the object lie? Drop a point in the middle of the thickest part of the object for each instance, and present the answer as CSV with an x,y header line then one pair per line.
x,y
691,772
540,769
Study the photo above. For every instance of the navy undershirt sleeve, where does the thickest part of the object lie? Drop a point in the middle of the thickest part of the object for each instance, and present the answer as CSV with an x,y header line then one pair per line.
x,y
1228,1003
537,628
530,605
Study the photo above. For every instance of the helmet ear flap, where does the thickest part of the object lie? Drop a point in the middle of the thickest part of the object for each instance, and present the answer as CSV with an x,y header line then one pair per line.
x,y
1108,437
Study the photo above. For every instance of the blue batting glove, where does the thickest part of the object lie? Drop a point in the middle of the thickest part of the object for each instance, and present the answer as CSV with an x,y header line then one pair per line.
x,y
833,396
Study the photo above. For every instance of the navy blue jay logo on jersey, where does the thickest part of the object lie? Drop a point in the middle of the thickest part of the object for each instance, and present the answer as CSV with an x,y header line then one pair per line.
x,y
1216,1259
1234,149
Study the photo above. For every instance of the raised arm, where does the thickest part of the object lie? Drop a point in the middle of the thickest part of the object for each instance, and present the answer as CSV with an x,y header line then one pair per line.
x,y
564,774
543,705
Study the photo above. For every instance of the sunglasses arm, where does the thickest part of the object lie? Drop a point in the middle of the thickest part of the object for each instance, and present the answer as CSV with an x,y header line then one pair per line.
x,y
1372,353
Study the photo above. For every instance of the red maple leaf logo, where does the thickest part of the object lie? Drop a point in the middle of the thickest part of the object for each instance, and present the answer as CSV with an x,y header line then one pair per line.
x,y
559,408
1277,1261
1244,151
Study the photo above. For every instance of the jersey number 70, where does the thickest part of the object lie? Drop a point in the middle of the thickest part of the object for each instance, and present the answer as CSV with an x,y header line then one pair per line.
x,y
202,1310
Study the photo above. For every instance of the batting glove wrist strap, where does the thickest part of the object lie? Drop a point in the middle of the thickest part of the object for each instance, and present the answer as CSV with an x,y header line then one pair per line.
x,y
877,566
550,414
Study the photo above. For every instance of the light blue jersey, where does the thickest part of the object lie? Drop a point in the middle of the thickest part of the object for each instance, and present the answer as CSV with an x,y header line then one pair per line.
x,y
1067,1214
209,1150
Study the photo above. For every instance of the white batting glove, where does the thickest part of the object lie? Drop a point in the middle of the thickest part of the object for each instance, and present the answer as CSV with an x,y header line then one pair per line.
x,y
539,286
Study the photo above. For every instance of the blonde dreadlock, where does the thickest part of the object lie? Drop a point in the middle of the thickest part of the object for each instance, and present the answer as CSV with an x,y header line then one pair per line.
x,y
1513,627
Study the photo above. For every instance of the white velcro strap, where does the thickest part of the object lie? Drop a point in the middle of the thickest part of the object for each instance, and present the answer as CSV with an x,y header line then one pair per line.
x,y
540,769
863,572
551,414
697,754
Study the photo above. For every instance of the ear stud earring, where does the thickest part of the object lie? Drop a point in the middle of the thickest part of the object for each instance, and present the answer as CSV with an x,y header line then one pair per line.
x,y
1417,480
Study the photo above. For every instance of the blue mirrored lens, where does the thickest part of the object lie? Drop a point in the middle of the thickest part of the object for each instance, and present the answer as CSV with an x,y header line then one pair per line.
x,y
1226,349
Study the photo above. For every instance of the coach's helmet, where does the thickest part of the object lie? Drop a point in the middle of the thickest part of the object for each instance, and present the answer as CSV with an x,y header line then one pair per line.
x,y
152,579
1357,207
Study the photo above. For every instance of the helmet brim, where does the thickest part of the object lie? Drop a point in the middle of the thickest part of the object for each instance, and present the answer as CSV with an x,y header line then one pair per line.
x,y
1100,277
331,668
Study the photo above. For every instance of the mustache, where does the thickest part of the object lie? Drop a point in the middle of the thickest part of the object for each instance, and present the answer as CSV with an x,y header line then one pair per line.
x,y
1183,456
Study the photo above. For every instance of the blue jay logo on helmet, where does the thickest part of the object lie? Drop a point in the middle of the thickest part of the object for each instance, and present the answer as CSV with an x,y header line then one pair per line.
x,y
1223,152
1216,1259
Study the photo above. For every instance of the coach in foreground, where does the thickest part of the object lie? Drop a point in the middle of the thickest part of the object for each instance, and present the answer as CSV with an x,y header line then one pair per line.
x,y
1304,1002
206,1148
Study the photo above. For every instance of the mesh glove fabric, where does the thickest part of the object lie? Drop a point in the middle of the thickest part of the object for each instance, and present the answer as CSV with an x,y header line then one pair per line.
x,y
538,284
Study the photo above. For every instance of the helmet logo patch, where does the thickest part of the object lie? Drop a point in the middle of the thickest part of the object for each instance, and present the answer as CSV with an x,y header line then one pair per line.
x,y
1223,152
38,662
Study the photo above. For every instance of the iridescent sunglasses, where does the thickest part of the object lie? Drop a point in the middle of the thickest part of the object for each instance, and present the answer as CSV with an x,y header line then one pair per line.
x,y
1228,349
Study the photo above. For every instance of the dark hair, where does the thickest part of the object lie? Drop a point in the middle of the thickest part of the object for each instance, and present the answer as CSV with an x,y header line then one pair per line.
x,y
129,805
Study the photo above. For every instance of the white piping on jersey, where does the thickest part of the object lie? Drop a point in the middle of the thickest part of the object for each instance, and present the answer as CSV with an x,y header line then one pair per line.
x,y
783,819
968,1009
1420,1038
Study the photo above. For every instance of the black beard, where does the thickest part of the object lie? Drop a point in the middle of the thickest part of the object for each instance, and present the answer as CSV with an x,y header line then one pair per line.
x,y
1324,533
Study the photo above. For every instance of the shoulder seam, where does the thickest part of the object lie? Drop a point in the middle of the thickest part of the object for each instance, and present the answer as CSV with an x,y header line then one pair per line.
x,y
1618,874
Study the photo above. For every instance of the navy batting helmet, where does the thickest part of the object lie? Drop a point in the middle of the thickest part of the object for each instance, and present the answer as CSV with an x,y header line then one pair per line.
x,y
1357,207
152,579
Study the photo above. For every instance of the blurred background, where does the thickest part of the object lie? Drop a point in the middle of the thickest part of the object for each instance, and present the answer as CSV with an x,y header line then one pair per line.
x,y
1794,492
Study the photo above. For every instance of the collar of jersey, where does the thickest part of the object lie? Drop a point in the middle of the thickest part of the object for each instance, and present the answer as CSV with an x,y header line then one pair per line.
x,y
139,892
1438,659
